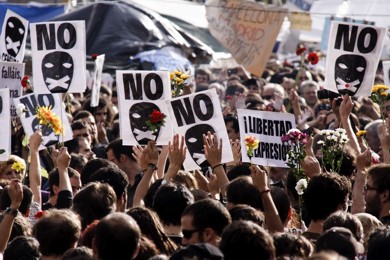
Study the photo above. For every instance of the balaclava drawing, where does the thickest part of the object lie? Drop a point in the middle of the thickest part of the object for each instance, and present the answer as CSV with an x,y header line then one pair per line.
x,y
194,142
57,71
139,113
349,73
14,35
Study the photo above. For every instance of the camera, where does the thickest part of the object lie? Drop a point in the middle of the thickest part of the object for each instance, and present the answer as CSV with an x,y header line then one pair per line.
x,y
324,94
232,72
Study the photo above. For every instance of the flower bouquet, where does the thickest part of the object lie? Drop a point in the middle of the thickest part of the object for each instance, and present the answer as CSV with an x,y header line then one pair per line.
x,y
178,81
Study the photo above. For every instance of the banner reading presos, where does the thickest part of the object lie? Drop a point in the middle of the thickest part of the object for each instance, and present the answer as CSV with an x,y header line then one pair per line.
x,y
386,72
10,77
58,51
13,37
268,127
139,93
5,130
30,122
352,58
248,30
97,80
194,115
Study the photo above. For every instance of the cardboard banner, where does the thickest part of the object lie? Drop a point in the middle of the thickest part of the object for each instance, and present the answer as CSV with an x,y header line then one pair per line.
x,y
352,58
10,77
248,30
97,80
58,51
5,130
139,93
300,21
30,122
386,72
13,37
268,127
194,115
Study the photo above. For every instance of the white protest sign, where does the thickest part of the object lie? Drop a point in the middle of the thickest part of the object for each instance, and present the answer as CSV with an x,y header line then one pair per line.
x,y
248,30
5,130
13,37
58,50
386,72
97,80
11,76
352,58
194,115
268,127
30,122
139,94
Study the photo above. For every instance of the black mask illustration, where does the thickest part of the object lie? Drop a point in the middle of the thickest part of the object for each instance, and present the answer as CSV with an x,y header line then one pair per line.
x,y
57,70
349,73
48,136
139,113
14,35
194,142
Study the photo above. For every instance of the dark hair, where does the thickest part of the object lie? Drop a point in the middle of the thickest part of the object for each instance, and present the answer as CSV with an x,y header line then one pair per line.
x,y
170,201
233,120
149,197
82,114
146,249
380,175
57,231
22,248
118,148
5,200
237,171
92,166
292,245
346,220
54,178
242,191
113,176
378,244
78,161
73,144
21,226
116,237
246,240
208,213
245,212
282,203
324,194
93,202
78,125
78,253
103,103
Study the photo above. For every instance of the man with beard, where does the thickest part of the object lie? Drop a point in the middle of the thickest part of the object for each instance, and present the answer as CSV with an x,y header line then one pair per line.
x,y
377,192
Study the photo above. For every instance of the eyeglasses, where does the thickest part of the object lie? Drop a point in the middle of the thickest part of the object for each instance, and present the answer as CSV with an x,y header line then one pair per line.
x,y
187,234
267,97
368,187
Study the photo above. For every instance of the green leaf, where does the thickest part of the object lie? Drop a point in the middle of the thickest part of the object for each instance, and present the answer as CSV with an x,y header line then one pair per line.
x,y
25,141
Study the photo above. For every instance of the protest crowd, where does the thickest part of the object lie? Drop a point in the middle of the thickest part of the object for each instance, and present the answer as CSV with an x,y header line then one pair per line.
x,y
316,189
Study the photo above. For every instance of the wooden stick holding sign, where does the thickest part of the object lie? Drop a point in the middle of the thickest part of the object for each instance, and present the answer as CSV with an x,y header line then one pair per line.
x,y
194,115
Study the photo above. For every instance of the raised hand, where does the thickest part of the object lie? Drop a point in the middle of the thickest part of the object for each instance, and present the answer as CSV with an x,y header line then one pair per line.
x,y
212,149
63,158
15,193
35,140
177,151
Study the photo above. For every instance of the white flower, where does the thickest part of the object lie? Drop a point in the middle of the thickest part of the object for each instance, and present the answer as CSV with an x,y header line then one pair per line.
x,y
344,140
334,138
321,142
21,110
323,132
301,186
341,130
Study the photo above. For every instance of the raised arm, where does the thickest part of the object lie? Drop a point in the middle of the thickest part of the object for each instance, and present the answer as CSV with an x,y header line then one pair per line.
x,y
176,155
64,186
363,161
34,171
345,112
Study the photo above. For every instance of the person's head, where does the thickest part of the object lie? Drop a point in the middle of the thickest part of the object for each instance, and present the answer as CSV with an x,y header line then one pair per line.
x,y
246,240
204,221
24,208
340,240
232,128
122,156
78,161
369,223
202,76
170,201
151,227
78,253
198,251
245,212
292,245
377,190
242,191
219,88
81,129
92,166
22,248
346,220
88,118
372,136
93,202
378,244
288,84
282,204
54,181
57,231
232,93
102,113
308,90
270,89
80,145
325,194
13,168
117,179
186,178
20,227
116,237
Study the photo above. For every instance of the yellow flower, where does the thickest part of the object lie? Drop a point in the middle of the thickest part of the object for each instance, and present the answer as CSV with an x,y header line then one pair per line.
x,y
178,80
380,88
172,75
251,142
177,73
17,166
360,133
383,93
50,119
184,76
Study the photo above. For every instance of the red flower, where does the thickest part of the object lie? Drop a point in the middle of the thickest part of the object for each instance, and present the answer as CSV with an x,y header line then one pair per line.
x,y
94,56
300,51
157,117
312,58
25,82
39,214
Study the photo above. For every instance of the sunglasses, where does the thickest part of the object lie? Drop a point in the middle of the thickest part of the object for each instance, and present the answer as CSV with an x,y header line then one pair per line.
x,y
187,234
